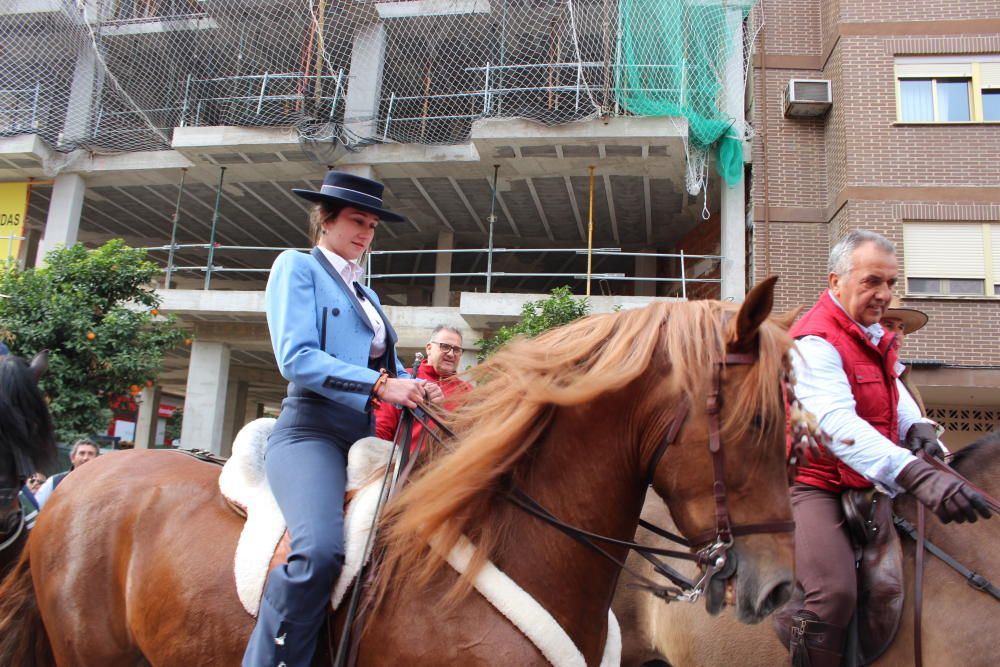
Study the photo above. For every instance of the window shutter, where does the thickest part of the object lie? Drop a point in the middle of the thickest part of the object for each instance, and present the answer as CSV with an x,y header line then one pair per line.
x,y
989,75
995,242
933,70
944,250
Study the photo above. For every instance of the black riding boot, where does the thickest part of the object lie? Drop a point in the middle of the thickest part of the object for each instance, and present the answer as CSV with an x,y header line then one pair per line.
x,y
814,643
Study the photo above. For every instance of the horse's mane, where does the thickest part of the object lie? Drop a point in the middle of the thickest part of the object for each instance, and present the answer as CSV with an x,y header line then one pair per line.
x,y
977,455
25,423
669,347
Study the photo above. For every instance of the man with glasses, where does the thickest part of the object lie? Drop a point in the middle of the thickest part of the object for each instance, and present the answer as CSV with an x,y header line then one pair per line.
x,y
444,352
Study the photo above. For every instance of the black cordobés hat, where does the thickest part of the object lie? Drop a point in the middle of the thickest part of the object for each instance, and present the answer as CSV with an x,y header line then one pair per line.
x,y
350,190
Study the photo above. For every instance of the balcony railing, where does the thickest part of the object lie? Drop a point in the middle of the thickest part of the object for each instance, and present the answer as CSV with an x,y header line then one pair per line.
x,y
215,266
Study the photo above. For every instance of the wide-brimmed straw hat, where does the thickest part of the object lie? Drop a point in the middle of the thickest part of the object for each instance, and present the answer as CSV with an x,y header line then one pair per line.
x,y
350,190
912,319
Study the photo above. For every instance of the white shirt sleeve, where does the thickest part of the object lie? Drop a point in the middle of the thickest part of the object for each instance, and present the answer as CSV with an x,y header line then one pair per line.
x,y
824,390
909,411
44,491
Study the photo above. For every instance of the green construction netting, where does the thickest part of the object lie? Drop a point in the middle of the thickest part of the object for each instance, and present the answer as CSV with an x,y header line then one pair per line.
x,y
675,60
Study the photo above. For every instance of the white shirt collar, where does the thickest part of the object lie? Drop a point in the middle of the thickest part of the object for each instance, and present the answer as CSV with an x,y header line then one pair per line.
x,y
873,332
351,272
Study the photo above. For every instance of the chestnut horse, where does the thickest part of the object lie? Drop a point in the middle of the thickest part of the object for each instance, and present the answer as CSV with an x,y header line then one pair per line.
x,y
26,443
960,625
131,562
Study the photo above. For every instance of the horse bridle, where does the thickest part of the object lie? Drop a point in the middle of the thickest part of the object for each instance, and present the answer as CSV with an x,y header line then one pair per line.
x,y
9,495
714,555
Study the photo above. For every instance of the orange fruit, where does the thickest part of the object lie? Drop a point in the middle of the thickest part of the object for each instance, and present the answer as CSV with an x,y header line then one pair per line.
x,y
154,312
91,335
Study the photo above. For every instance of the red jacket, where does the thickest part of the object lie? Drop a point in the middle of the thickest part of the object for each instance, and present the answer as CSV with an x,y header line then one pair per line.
x,y
387,414
872,375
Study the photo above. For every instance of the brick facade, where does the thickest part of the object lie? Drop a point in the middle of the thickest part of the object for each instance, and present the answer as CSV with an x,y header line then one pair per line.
x,y
858,167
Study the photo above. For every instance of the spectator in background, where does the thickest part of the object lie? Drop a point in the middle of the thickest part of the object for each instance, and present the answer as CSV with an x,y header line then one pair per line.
x,y
444,352
903,322
83,451
35,482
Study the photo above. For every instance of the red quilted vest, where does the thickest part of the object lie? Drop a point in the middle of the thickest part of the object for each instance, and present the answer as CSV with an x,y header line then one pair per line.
x,y
871,372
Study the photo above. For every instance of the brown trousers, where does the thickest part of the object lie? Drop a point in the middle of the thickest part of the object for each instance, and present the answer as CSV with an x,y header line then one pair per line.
x,y
824,557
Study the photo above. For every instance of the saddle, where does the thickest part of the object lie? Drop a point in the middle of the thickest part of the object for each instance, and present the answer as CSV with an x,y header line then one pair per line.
x,y
879,557
265,543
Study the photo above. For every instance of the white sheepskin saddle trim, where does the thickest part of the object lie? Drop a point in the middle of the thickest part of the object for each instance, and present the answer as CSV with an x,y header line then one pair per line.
x,y
243,482
530,617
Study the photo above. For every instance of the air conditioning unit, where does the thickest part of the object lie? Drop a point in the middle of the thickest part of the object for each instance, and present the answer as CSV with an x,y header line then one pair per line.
x,y
807,98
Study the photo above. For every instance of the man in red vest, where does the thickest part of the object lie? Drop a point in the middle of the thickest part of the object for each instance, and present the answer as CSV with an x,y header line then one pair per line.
x,y
444,352
847,377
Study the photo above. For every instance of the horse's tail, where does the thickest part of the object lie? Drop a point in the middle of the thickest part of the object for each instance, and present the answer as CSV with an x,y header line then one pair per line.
x,y
23,640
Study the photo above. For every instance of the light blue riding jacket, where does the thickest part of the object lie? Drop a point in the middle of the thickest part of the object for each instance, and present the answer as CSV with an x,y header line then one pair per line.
x,y
320,332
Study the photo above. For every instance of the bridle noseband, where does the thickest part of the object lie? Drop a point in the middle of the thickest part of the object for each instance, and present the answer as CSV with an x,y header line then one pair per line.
x,y
714,555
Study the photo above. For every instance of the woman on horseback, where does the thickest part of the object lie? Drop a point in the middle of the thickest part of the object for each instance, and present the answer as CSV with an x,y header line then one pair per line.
x,y
335,346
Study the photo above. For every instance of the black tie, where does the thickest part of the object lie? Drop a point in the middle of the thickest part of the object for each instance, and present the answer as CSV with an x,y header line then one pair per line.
x,y
357,290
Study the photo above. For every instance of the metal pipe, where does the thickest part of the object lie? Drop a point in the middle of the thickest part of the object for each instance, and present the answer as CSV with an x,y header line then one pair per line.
x,y
590,230
336,93
260,98
492,220
184,106
173,230
684,293
215,223
388,116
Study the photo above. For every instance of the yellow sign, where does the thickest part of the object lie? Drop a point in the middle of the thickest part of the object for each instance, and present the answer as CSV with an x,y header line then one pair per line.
x,y
13,211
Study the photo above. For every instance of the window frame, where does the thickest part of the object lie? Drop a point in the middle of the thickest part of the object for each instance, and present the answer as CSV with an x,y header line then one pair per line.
x,y
991,272
976,85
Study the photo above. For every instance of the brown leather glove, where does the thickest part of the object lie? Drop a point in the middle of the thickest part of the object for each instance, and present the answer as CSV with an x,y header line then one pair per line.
x,y
945,494
922,437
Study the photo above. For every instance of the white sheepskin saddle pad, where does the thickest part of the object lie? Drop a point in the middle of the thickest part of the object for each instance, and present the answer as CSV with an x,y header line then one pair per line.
x,y
242,482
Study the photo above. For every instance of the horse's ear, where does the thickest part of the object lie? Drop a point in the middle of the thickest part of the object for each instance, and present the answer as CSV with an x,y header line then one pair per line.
x,y
755,309
786,320
39,365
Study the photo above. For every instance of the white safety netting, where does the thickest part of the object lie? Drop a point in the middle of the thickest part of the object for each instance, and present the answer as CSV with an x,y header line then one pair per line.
x,y
121,75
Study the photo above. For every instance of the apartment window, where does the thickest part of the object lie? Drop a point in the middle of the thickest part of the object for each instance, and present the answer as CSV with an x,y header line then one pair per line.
x,y
948,89
952,259
991,104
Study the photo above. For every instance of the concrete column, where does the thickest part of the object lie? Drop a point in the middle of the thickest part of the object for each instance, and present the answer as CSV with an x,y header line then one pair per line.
x,y
365,87
645,267
733,211
442,264
205,400
236,408
149,417
65,207
362,170
82,109
253,411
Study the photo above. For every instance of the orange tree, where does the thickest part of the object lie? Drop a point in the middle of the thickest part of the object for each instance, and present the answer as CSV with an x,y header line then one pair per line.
x,y
96,313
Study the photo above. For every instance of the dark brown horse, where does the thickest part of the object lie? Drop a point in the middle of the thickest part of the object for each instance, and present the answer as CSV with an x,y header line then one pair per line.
x,y
960,625
574,418
26,444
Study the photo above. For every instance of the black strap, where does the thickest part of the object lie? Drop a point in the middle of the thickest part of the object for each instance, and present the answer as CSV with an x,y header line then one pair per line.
x,y
974,579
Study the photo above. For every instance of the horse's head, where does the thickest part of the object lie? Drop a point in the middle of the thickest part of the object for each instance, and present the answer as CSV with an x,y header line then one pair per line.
x,y
26,435
738,494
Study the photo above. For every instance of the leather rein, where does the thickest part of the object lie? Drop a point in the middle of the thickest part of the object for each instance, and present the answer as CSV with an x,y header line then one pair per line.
x,y
713,544
918,535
